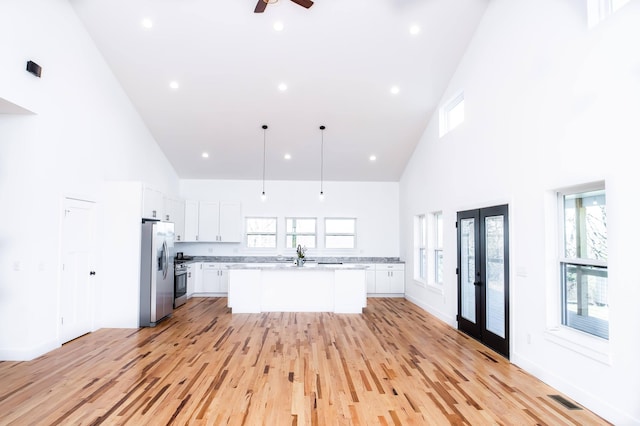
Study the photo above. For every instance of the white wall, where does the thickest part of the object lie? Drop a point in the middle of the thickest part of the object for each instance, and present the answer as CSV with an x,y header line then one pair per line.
x,y
84,132
548,104
374,204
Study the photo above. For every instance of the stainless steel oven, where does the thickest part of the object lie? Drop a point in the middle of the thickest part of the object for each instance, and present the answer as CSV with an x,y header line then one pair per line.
x,y
180,284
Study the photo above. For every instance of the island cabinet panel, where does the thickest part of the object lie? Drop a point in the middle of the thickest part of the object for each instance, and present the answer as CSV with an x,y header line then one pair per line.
x,y
297,291
350,290
286,288
246,297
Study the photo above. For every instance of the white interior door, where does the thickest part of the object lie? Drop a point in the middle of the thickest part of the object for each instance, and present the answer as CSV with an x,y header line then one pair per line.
x,y
76,294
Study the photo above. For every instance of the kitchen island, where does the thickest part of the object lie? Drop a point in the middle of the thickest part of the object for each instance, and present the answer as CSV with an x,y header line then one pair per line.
x,y
289,288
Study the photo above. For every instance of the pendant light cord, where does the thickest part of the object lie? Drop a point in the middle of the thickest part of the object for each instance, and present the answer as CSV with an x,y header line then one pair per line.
x,y
264,155
322,159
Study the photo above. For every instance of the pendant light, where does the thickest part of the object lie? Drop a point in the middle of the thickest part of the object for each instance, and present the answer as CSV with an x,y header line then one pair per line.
x,y
263,197
322,162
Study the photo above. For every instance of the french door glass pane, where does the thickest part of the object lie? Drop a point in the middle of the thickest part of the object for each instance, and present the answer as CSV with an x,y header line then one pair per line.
x,y
468,269
494,266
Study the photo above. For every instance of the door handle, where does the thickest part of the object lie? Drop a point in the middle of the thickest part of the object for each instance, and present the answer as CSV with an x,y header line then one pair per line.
x,y
92,272
477,283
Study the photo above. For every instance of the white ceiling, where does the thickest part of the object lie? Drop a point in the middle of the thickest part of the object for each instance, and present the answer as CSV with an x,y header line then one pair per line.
x,y
339,59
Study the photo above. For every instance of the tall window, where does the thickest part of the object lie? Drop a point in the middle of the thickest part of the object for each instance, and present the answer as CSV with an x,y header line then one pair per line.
x,y
300,231
452,114
599,10
340,233
438,258
420,245
585,304
261,232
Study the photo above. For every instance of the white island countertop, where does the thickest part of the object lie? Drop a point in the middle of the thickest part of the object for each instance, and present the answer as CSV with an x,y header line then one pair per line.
x,y
285,287
305,267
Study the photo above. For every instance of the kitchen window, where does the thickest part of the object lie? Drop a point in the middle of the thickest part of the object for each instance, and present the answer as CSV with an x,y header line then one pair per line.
x,y
340,233
261,232
420,248
301,231
583,261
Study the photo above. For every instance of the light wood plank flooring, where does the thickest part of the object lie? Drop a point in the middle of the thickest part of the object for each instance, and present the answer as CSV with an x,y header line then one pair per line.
x,y
393,365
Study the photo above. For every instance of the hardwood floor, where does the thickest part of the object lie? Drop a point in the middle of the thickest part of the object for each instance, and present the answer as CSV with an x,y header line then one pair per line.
x,y
393,365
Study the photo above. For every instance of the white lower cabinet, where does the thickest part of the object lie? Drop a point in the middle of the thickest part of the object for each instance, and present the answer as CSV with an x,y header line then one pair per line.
x,y
370,277
389,279
194,279
215,278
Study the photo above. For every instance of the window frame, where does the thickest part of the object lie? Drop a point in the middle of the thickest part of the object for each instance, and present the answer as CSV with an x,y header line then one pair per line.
x,y
420,269
341,234
437,251
600,10
579,261
295,234
248,234
445,122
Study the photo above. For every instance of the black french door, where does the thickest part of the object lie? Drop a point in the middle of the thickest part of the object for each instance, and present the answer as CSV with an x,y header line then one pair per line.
x,y
483,276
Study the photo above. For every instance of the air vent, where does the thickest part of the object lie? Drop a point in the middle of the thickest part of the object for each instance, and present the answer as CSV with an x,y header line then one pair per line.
x,y
564,401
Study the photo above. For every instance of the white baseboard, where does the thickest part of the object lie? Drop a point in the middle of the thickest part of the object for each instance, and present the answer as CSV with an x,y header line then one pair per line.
x,y
588,400
435,312
27,354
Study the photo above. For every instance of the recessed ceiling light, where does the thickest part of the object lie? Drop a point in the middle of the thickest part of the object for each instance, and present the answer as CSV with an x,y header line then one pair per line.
x,y
282,87
205,155
287,156
414,30
372,158
395,90
278,26
174,85
146,23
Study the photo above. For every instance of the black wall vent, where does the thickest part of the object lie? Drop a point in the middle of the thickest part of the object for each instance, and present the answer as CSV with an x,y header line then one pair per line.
x,y
564,401
34,69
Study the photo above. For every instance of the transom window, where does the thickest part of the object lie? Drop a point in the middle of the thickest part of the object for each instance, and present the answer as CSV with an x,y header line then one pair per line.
x,y
300,231
340,233
599,10
452,114
583,265
261,232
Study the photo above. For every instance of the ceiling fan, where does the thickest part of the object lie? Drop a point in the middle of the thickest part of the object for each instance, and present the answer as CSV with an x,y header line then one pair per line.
x,y
262,4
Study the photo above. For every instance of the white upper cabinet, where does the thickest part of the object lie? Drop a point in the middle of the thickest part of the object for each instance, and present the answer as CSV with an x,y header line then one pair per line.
x,y
230,230
152,203
190,220
210,221
174,212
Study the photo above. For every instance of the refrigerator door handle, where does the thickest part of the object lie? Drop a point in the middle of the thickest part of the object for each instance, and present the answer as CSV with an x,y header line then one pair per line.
x,y
165,259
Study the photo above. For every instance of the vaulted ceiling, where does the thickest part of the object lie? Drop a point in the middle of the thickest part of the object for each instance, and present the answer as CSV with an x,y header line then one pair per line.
x,y
340,61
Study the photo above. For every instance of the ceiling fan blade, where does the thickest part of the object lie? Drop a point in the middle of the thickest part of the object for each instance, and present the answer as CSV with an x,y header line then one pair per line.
x,y
260,6
304,3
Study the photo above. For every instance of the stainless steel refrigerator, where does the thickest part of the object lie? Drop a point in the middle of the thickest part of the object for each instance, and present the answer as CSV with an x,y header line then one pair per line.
x,y
156,272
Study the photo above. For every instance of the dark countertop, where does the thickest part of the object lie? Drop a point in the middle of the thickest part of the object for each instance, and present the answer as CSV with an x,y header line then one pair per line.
x,y
286,259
